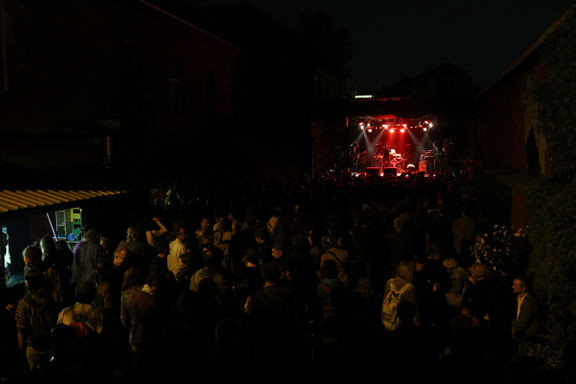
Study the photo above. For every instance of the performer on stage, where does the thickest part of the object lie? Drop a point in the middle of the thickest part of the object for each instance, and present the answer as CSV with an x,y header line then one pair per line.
x,y
382,153
386,156
354,155
438,156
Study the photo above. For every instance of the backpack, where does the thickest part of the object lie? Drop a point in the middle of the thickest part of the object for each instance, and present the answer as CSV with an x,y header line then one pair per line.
x,y
389,306
346,267
43,314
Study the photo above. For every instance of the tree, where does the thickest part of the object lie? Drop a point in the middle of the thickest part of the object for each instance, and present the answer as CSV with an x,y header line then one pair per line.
x,y
328,45
443,81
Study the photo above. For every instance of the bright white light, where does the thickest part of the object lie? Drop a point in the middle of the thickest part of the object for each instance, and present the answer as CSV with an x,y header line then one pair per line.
x,y
402,130
424,129
391,130
430,125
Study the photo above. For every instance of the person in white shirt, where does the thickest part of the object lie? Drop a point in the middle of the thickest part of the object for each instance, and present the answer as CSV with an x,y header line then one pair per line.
x,y
178,246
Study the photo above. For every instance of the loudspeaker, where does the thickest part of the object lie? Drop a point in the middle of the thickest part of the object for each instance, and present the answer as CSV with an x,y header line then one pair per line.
x,y
421,166
372,170
390,171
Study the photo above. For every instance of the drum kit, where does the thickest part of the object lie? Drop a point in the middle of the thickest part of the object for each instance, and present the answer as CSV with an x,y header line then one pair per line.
x,y
395,159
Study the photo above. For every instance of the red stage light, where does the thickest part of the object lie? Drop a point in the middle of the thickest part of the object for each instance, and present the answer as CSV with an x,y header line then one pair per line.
x,y
402,130
391,130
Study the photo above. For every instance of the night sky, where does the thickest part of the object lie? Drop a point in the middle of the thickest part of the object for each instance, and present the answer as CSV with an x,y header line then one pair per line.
x,y
396,39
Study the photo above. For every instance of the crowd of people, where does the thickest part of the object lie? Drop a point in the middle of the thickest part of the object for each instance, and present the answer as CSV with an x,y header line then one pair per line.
x,y
277,272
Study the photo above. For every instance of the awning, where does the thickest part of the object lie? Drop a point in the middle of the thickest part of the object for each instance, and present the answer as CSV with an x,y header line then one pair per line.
x,y
14,200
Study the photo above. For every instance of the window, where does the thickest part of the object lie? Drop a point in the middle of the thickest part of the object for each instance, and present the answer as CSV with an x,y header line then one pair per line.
x,y
68,223
5,257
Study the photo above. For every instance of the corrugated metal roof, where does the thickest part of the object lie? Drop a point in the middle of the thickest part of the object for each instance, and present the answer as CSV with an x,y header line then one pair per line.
x,y
13,200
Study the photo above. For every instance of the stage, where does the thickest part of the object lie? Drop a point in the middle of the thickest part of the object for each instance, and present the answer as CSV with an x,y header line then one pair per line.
x,y
427,165
387,144
386,160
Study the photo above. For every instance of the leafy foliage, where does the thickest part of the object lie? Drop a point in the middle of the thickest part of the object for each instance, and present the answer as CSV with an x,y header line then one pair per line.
x,y
506,244
551,204
553,261
328,44
555,96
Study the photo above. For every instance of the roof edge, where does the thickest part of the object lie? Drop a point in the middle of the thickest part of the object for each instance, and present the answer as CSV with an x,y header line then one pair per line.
x,y
527,53
189,24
